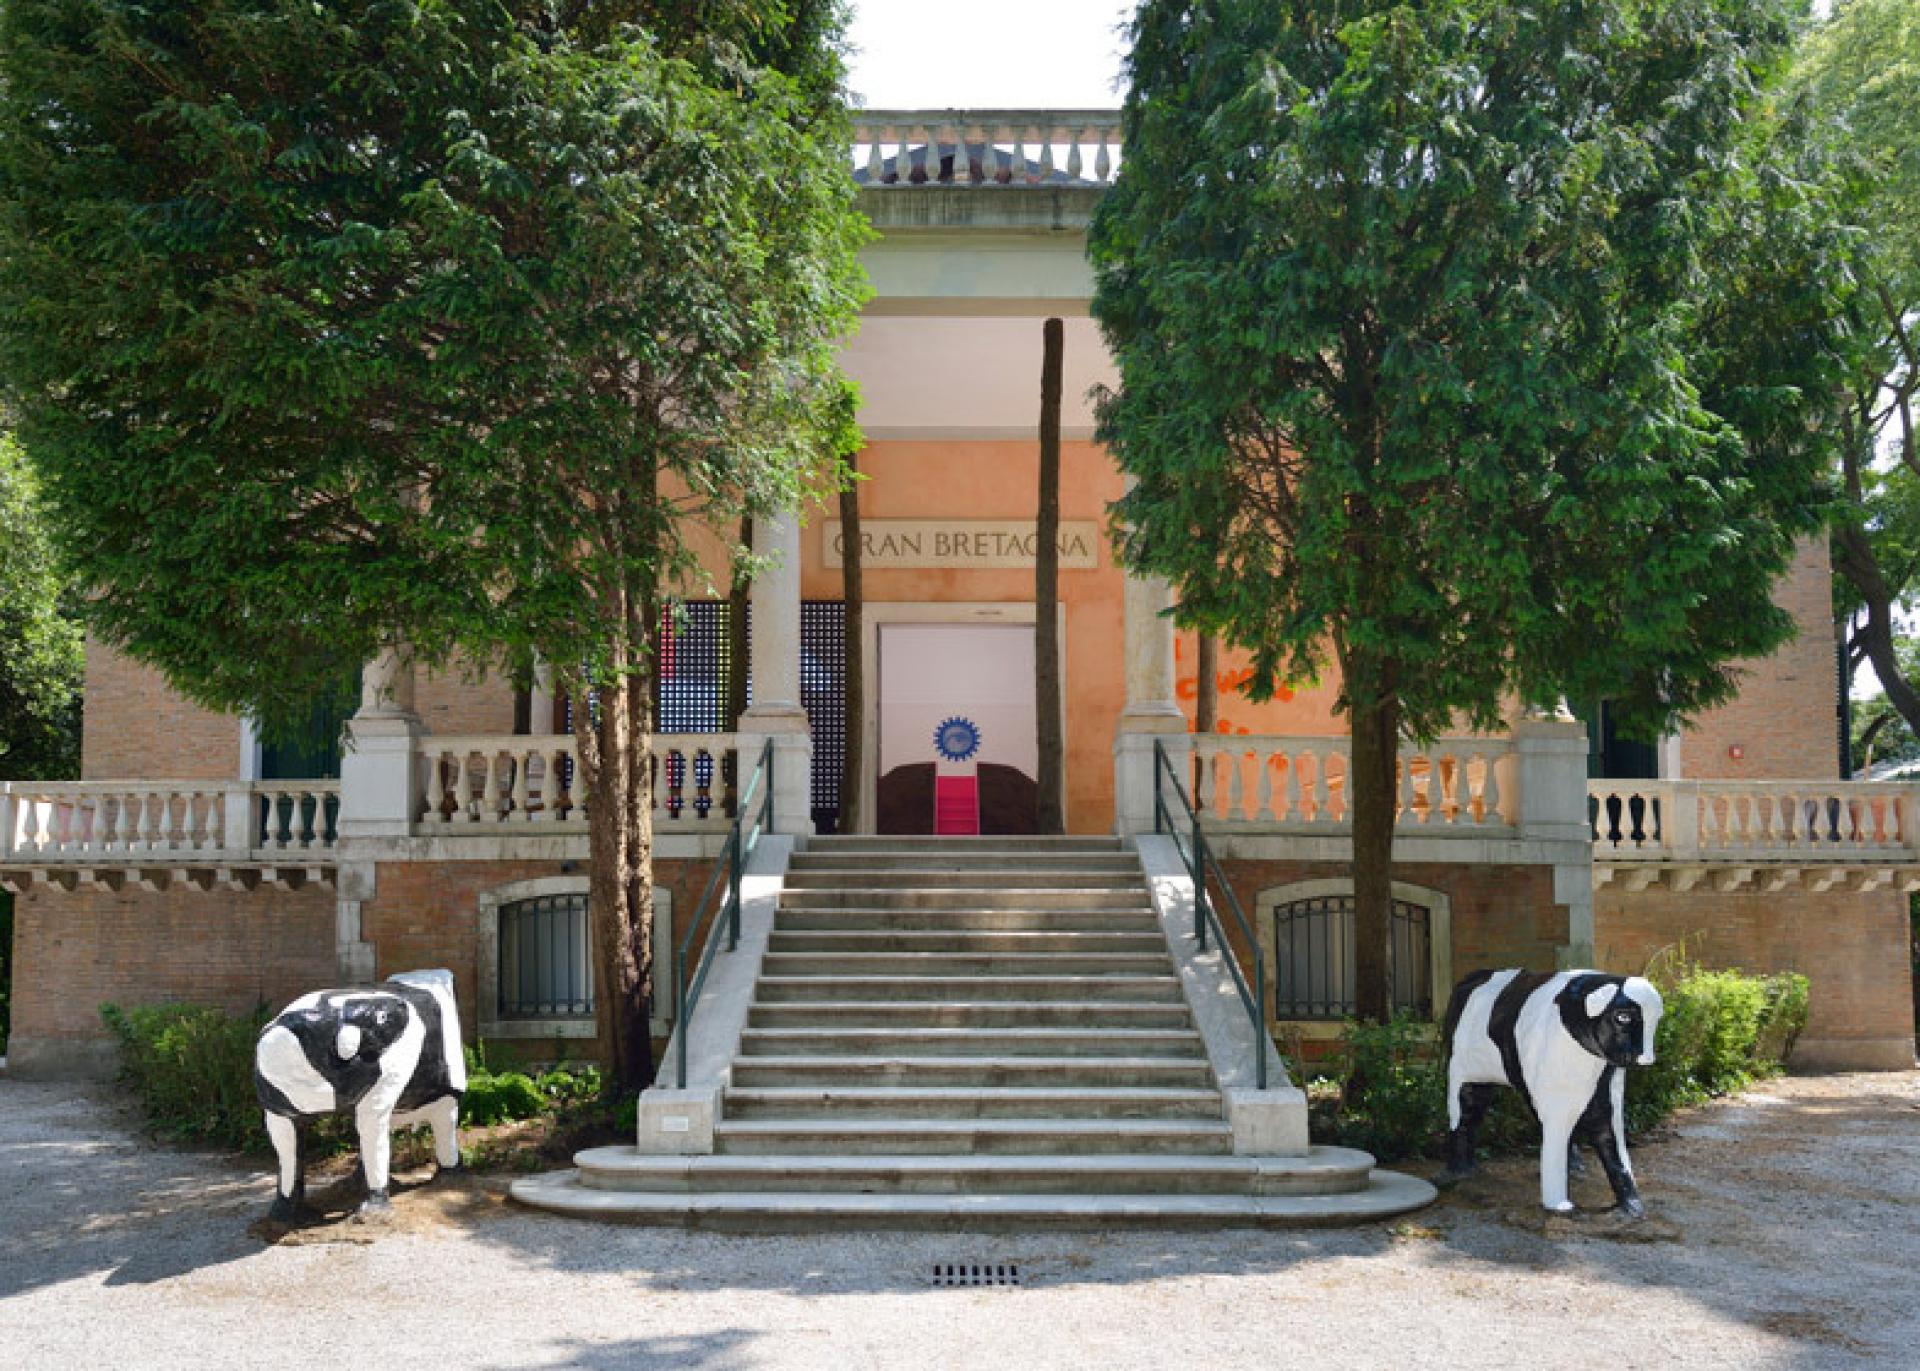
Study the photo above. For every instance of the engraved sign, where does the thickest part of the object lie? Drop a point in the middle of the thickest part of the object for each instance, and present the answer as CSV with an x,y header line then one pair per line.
x,y
979,544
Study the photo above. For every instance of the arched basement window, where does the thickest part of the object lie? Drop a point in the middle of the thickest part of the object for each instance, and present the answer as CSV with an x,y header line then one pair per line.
x,y
1314,958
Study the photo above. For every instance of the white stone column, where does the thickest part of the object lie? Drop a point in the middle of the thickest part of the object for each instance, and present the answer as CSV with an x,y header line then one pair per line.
x,y
1151,712
776,711
380,782
1552,772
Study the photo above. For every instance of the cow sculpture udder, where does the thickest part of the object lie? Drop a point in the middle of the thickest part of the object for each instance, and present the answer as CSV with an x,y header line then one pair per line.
x,y
1564,1041
388,1056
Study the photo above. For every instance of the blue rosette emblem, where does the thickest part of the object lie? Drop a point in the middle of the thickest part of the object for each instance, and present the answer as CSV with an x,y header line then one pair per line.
x,y
956,739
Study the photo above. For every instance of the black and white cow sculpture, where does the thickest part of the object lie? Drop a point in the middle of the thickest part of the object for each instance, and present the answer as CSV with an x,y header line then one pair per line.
x,y
1564,1042
388,1056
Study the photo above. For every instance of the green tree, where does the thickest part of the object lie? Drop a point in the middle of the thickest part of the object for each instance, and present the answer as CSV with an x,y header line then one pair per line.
x,y
339,326
1471,347
1860,69
42,656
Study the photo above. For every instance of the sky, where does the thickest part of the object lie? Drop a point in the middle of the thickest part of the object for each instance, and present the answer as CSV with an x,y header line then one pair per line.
x,y
1003,54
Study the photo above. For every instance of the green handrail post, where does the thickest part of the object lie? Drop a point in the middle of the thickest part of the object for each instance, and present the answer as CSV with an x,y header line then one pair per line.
x,y
730,867
1199,862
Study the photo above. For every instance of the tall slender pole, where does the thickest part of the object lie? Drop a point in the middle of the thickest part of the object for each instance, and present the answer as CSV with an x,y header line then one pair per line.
x,y
1051,807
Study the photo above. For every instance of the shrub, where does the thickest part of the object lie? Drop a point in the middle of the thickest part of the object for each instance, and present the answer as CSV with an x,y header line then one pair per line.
x,y
492,1099
191,1069
1722,1030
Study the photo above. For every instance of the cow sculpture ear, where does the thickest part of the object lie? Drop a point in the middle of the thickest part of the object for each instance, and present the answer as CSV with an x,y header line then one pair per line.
x,y
1598,1000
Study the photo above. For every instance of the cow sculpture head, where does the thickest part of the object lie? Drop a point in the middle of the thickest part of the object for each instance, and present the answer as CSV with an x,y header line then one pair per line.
x,y
369,1025
1613,1017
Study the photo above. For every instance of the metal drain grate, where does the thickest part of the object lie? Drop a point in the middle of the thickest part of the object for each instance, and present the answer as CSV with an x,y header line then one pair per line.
x,y
976,1273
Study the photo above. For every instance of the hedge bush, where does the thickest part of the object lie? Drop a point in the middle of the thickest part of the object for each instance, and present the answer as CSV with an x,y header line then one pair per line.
x,y
191,1068
1722,1030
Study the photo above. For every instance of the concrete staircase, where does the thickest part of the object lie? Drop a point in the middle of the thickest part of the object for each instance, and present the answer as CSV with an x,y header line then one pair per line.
x,y
969,1032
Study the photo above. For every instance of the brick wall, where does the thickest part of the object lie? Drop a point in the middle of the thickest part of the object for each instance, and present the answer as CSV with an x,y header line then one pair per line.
x,y
136,727
232,949
1783,721
1852,947
456,700
426,914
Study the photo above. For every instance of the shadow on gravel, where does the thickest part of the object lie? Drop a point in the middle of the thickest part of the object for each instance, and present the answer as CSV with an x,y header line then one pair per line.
x,y
703,1352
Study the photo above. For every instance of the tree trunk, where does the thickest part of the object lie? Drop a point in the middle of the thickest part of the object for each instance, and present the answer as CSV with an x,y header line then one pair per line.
x,y
853,756
1371,799
1051,809
1857,563
1206,707
616,767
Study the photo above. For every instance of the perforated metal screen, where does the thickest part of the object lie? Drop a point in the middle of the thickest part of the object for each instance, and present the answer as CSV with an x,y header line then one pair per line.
x,y
697,654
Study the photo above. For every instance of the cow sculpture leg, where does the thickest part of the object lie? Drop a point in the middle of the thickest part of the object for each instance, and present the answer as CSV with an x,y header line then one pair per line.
x,y
444,1115
1470,1105
292,1190
1556,1141
1604,1127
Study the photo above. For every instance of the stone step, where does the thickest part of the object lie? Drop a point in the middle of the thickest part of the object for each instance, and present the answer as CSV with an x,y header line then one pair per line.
x,y
1323,1171
885,1068
794,1102
914,1137
1116,863
968,1014
972,1042
940,920
1013,895
984,879
836,964
975,941
1009,844
944,988
743,1211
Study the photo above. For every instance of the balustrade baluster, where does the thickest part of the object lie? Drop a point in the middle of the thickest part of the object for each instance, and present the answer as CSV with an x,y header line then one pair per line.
x,y
522,785
490,787
1237,778
1322,791
436,784
1019,173
876,166
1263,796
1046,155
463,787
1073,154
1102,161
928,172
1490,811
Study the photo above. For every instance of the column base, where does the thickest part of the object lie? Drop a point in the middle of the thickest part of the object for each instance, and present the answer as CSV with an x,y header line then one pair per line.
x,y
792,767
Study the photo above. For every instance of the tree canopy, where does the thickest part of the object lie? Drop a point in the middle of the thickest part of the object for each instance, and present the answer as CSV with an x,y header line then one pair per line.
x,y
41,653
1473,348
335,326
1859,70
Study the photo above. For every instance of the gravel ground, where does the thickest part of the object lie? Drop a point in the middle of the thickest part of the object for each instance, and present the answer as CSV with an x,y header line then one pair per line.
x,y
1786,1232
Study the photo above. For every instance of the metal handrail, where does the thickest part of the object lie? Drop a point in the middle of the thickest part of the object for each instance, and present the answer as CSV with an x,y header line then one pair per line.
x,y
732,863
1199,859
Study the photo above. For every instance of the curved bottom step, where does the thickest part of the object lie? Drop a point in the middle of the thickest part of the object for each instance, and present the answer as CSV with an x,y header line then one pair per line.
x,y
1388,1193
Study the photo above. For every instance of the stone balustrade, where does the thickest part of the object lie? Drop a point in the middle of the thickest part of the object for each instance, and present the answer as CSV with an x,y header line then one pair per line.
x,y
120,822
1005,148
1286,784
1768,821
530,782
